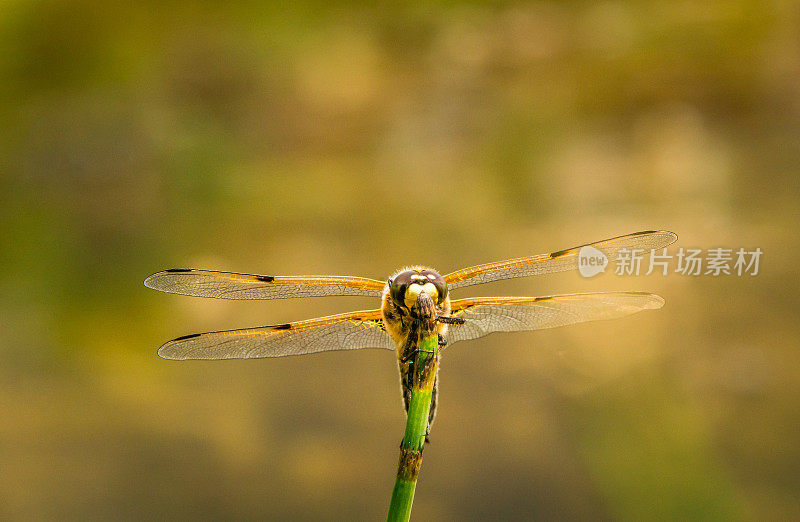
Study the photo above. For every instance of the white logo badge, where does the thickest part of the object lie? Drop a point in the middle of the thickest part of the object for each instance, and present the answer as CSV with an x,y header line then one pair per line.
x,y
591,261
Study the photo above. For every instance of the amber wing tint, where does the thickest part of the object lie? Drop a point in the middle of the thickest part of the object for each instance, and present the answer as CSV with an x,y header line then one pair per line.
x,y
351,331
556,261
485,315
231,285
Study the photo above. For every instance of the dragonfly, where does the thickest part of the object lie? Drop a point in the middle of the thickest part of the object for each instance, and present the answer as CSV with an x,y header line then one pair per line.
x,y
390,326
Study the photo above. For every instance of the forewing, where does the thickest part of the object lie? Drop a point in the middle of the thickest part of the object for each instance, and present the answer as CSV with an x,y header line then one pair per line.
x,y
557,261
231,285
485,315
352,331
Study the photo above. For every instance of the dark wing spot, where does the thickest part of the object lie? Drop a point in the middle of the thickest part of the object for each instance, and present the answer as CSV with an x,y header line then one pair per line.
x,y
178,270
644,232
266,279
285,326
190,336
561,253
543,298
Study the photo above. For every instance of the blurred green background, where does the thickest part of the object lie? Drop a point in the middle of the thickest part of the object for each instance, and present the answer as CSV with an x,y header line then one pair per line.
x,y
349,139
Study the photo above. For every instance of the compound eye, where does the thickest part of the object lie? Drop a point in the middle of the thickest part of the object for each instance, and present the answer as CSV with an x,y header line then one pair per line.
x,y
398,292
438,282
398,287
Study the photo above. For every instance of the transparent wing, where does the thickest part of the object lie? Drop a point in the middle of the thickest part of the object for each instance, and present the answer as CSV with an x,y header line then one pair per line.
x,y
231,285
485,315
352,331
557,261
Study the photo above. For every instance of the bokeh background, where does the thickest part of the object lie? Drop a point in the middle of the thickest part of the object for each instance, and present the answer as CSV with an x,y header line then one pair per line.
x,y
343,138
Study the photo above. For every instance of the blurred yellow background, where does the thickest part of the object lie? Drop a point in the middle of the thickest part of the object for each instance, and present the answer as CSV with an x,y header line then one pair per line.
x,y
339,138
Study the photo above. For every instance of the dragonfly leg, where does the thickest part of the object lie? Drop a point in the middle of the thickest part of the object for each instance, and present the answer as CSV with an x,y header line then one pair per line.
x,y
409,356
413,353
432,412
442,341
407,390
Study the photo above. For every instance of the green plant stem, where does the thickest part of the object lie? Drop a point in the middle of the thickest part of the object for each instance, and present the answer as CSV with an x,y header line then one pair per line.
x,y
425,367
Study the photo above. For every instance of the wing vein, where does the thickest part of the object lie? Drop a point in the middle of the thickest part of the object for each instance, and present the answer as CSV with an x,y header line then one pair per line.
x,y
556,261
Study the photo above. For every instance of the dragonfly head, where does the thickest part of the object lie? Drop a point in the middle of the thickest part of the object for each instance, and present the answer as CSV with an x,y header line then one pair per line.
x,y
406,286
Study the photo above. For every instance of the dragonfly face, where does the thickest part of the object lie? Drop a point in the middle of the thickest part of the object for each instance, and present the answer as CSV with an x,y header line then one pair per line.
x,y
390,326
407,284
